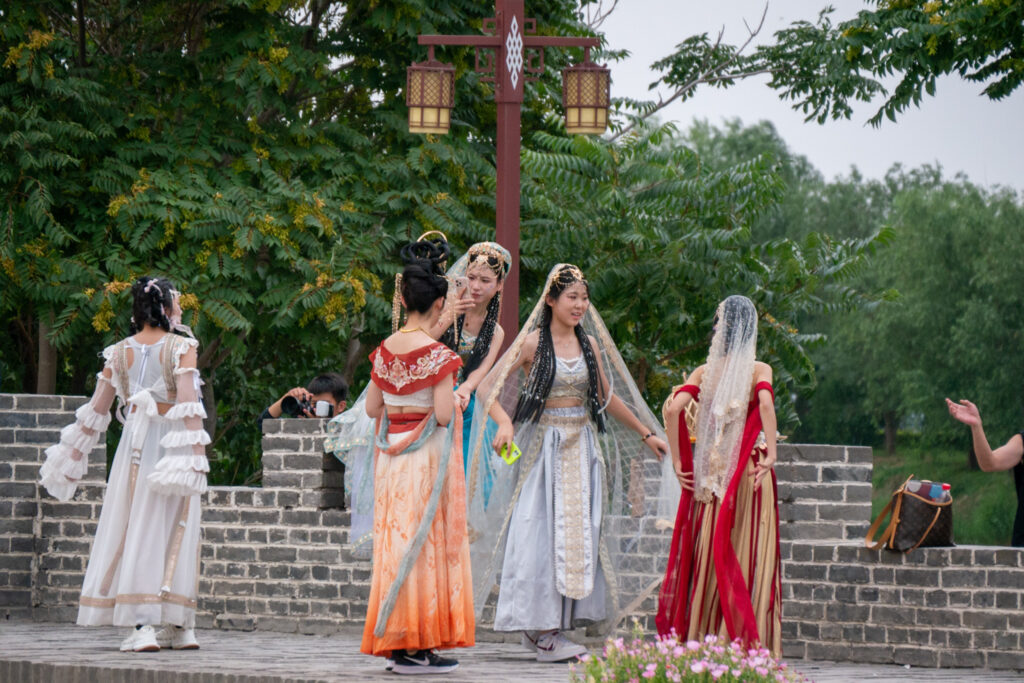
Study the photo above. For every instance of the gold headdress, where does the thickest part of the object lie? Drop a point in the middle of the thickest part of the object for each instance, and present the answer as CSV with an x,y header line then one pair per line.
x,y
491,250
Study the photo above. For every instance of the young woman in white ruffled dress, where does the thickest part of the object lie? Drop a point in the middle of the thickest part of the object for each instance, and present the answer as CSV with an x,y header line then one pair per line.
x,y
143,567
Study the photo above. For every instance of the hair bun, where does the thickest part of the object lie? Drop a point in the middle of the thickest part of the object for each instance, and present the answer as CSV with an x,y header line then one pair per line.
x,y
434,252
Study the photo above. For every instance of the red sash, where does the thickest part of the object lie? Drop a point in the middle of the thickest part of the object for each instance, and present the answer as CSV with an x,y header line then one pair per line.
x,y
399,423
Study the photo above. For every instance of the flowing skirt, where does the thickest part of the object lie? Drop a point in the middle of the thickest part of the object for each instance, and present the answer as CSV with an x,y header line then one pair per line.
x,y
755,539
144,564
434,608
552,576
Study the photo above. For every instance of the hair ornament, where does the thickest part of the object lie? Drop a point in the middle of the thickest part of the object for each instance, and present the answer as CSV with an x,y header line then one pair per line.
x,y
492,250
396,304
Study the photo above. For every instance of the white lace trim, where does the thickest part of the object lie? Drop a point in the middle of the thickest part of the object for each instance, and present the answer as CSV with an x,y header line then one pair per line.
x,y
182,410
60,473
179,475
185,437
90,419
74,438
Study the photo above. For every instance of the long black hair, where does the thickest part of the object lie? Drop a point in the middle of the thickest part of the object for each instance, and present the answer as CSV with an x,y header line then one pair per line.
x,y
152,301
423,280
534,395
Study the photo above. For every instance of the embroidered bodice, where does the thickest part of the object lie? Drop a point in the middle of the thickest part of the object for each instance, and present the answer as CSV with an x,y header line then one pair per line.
x,y
408,378
570,379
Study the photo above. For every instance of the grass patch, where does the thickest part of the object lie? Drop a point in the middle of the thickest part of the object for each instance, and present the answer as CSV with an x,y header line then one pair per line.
x,y
984,503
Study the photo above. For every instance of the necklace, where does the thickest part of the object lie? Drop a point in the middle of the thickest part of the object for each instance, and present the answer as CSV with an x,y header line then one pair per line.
x,y
415,329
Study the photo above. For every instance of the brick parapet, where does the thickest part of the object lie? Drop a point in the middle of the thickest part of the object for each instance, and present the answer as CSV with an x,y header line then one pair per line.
x,y
275,557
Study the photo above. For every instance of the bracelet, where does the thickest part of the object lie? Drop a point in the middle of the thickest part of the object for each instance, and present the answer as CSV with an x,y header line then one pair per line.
x,y
646,436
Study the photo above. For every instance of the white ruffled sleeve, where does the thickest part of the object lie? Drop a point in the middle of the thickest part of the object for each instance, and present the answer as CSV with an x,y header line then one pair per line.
x,y
182,469
67,461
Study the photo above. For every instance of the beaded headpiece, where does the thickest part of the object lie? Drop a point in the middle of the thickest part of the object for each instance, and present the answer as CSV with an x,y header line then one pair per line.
x,y
492,250
568,274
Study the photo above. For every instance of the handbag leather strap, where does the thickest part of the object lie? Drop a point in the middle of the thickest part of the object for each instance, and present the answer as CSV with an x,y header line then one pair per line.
x,y
938,511
869,540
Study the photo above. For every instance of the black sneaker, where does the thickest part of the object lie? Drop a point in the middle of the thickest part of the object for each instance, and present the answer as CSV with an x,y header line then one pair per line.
x,y
422,662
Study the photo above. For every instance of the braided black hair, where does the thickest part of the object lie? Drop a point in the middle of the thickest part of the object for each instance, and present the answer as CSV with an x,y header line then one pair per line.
x,y
151,307
423,280
534,395
484,338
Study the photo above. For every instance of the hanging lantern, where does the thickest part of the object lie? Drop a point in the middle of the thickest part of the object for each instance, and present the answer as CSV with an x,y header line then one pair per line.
x,y
430,95
585,96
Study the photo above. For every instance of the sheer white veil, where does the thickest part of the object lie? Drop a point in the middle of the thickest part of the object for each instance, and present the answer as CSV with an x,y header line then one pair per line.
x,y
635,482
724,395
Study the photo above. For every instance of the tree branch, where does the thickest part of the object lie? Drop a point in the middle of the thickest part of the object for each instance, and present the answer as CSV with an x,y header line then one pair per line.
x,y
600,15
705,75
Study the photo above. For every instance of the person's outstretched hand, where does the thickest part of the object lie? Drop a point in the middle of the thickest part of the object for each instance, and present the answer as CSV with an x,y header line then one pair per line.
x,y
965,412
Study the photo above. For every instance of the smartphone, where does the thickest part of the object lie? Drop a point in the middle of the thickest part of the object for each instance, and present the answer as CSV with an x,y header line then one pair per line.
x,y
510,458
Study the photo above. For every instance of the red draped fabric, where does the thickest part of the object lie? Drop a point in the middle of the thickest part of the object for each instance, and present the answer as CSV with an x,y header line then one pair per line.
x,y
677,591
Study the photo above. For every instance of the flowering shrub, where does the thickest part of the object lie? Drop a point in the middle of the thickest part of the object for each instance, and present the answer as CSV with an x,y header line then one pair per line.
x,y
668,659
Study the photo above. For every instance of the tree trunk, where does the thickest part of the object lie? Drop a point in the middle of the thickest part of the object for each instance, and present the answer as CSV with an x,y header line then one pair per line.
x,y
352,358
20,329
46,380
890,432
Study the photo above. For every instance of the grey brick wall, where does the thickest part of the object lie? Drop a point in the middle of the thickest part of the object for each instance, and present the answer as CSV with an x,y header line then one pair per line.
x,y
275,557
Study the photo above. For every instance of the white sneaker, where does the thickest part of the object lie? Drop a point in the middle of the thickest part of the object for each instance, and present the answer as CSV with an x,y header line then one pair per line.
x,y
554,647
141,640
177,638
529,640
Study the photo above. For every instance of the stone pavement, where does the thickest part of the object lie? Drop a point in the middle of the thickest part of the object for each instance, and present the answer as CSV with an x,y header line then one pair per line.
x,y
33,652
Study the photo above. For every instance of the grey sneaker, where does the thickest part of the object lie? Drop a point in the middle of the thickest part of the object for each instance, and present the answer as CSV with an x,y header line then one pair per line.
x,y
529,640
555,647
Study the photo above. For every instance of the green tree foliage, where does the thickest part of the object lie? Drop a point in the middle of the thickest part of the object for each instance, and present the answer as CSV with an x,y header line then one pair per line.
x,y
955,330
952,328
255,152
664,237
825,66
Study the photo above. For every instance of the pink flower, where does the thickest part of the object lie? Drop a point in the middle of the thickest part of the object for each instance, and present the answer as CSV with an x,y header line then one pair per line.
x,y
698,667
761,671
649,671
692,645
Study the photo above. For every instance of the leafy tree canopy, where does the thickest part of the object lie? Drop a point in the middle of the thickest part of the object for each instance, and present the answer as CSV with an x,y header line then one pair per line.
x,y
824,66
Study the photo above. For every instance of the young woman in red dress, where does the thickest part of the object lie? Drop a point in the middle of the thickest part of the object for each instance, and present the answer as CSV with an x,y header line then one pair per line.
x,y
723,575
421,591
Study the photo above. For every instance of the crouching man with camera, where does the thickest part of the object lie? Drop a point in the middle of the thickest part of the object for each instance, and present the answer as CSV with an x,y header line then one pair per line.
x,y
324,396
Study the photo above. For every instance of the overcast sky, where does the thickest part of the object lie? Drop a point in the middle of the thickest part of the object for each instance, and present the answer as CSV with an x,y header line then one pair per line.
x,y
959,128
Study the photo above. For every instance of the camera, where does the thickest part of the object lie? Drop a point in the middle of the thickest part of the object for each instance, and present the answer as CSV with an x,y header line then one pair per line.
x,y
294,407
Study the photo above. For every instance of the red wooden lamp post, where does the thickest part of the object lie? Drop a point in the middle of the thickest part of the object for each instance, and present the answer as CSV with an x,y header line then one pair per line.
x,y
430,96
